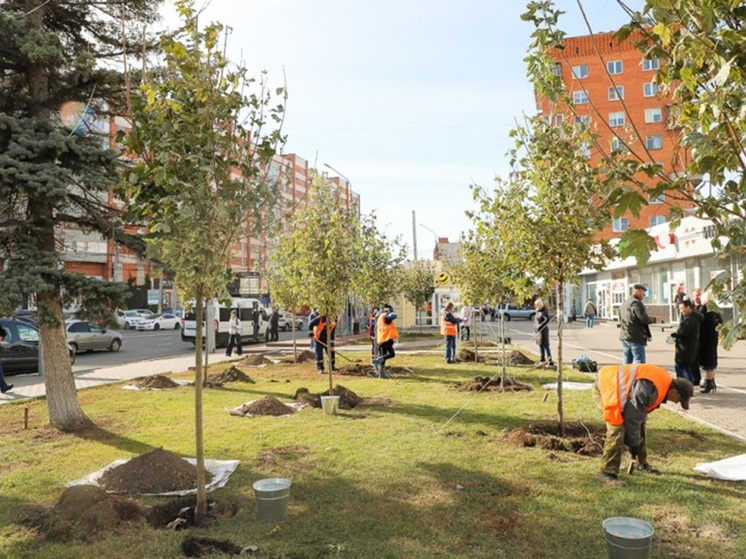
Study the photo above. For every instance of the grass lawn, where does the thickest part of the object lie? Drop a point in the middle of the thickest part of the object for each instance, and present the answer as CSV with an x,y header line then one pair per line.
x,y
422,470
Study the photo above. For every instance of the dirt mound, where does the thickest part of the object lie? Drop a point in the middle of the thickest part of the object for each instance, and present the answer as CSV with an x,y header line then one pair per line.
x,y
157,471
469,356
254,361
156,382
515,358
266,405
499,384
306,355
355,370
579,439
194,546
347,398
230,375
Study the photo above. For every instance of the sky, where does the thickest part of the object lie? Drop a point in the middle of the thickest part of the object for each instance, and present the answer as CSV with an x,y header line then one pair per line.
x,y
411,100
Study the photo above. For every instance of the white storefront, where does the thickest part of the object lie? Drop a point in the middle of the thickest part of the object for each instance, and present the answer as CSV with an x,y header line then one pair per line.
x,y
684,256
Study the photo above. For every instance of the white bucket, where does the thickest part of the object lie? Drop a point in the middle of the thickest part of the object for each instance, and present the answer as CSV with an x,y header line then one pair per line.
x,y
272,496
628,538
330,404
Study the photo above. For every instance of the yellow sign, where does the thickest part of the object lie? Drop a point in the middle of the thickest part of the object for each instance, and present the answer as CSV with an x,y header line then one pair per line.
x,y
444,279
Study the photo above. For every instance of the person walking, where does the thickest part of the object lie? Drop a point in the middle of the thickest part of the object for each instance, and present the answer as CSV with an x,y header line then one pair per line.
x,y
312,315
234,335
319,327
626,394
686,338
4,386
541,328
274,325
708,341
370,325
590,313
466,320
386,335
449,328
635,326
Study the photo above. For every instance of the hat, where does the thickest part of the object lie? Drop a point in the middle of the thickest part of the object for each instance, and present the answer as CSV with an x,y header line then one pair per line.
x,y
685,390
639,286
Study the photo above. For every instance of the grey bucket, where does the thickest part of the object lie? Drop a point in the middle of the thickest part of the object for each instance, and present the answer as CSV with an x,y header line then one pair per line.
x,y
628,538
330,404
272,496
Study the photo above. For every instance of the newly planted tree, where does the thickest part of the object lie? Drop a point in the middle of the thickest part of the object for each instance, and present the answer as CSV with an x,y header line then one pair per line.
x,y
204,134
418,283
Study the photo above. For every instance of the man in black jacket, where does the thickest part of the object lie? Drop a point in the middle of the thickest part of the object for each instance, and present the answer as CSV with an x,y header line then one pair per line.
x,y
635,324
687,340
4,386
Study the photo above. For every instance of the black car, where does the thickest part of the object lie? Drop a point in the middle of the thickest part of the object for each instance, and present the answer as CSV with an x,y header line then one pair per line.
x,y
19,353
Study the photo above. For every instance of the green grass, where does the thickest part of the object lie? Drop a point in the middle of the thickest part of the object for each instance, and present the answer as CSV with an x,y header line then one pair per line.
x,y
396,479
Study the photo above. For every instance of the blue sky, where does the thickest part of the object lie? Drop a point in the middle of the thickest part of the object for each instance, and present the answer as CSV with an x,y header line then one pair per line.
x,y
412,100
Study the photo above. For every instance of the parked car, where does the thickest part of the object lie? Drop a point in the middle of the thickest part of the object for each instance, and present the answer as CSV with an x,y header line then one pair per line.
x,y
163,321
511,312
19,353
286,322
245,307
87,336
145,313
128,319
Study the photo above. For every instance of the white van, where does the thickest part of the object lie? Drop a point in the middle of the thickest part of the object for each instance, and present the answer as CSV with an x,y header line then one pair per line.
x,y
247,309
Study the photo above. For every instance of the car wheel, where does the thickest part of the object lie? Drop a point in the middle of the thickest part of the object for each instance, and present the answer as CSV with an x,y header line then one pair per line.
x,y
115,345
507,318
176,326
74,347
156,327
286,327
266,335
531,316
126,325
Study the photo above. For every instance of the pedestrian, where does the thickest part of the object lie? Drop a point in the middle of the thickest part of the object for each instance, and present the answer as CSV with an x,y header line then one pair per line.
x,y
627,394
686,338
234,334
319,326
255,314
386,335
679,297
590,313
449,328
635,326
4,386
274,325
708,341
541,328
312,315
466,320
370,325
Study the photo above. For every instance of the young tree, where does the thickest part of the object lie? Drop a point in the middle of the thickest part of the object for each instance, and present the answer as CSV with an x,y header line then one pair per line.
x,y
418,283
199,180
285,280
58,77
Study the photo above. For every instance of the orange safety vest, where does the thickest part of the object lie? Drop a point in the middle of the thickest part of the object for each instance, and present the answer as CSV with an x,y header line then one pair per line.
x,y
318,330
615,383
385,332
447,328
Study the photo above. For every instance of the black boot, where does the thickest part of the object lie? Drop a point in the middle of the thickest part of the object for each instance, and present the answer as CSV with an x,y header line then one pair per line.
x,y
710,386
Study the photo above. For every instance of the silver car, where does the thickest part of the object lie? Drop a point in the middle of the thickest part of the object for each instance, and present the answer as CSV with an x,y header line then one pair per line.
x,y
86,336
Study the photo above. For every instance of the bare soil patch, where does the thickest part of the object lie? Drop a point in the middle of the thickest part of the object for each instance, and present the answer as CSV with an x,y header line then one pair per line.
x,y
347,398
229,375
489,384
579,439
514,358
358,369
266,405
159,382
467,355
157,471
254,361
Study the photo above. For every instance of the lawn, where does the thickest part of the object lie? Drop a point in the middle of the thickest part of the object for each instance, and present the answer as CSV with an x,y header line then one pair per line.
x,y
420,470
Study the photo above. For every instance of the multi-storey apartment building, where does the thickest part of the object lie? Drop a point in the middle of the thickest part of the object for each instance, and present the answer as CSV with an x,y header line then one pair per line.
x,y
613,90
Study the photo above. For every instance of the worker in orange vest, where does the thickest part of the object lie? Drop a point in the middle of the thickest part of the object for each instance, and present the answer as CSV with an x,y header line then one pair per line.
x,y
626,394
319,328
449,328
386,335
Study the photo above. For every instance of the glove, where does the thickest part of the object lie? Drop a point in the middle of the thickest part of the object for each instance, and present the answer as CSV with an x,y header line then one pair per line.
x,y
633,450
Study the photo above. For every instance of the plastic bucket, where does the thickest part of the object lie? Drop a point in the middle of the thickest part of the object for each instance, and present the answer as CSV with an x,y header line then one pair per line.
x,y
330,404
272,496
628,538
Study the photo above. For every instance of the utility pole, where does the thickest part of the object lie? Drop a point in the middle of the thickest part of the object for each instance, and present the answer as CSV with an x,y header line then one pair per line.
x,y
414,235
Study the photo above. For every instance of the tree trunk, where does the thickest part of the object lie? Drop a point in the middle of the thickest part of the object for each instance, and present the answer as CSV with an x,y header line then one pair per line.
x,y
201,508
560,323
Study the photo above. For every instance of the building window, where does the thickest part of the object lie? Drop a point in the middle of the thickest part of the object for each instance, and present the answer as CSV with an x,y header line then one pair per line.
x,y
657,220
621,224
653,115
616,93
617,145
581,71
649,65
654,142
583,119
557,69
650,89
616,119
585,150
559,119
660,199
614,67
580,97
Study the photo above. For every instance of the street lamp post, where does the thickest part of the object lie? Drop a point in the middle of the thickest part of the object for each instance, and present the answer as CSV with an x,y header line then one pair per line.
x,y
347,189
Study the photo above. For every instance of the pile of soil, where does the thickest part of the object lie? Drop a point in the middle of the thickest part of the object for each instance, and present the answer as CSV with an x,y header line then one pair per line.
x,y
578,439
515,358
156,382
157,471
306,355
347,398
366,370
266,405
468,356
230,375
488,384
254,361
